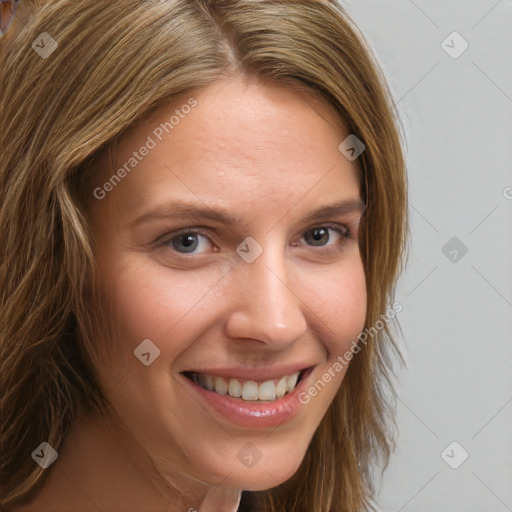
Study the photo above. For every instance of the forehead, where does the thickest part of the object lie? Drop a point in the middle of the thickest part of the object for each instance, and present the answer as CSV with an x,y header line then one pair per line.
x,y
238,142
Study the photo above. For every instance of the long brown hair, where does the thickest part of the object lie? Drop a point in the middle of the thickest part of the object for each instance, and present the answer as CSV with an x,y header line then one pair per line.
x,y
116,62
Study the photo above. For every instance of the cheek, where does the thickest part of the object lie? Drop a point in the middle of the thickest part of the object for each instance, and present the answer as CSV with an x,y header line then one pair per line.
x,y
155,302
341,306
151,301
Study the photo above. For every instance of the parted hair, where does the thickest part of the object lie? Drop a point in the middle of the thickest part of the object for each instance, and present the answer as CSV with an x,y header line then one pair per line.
x,y
117,62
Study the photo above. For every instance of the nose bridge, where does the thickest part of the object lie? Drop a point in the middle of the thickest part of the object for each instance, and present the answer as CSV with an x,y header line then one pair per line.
x,y
267,307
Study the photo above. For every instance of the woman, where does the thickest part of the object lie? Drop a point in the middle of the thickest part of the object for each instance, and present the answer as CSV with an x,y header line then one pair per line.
x,y
203,218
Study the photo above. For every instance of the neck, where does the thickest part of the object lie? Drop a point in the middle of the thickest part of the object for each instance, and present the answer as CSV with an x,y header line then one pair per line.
x,y
100,467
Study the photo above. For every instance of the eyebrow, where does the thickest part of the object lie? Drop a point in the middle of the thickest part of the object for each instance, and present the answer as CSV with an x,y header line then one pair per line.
x,y
191,211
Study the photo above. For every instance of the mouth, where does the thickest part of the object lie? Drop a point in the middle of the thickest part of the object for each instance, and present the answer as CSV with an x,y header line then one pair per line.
x,y
249,390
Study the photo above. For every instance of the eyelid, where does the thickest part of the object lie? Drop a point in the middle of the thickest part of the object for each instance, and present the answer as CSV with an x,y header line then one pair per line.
x,y
331,225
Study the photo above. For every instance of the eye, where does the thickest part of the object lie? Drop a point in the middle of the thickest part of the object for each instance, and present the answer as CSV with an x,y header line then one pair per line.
x,y
187,242
320,236
192,241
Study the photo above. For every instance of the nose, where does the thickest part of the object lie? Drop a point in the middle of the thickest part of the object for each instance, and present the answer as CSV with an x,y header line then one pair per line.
x,y
266,306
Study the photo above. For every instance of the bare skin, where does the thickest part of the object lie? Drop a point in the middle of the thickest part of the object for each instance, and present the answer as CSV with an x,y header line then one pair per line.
x,y
268,155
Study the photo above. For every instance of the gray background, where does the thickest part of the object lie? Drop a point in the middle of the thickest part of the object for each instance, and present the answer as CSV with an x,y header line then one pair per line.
x,y
457,314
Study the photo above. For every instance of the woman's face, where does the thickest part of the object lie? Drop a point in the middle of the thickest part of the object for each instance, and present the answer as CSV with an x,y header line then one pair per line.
x,y
229,248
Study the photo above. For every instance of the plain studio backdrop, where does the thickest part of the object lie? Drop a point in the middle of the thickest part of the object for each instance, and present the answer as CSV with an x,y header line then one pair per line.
x,y
449,64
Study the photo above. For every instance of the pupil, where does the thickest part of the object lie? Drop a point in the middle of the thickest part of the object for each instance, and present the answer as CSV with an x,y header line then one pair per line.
x,y
319,236
189,242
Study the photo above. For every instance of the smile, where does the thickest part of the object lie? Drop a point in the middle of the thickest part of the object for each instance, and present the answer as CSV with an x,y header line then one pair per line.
x,y
248,390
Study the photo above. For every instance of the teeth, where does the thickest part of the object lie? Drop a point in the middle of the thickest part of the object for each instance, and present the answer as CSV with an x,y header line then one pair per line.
x,y
281,387
250,390
205,381
235,388
269,390
221,386
292,382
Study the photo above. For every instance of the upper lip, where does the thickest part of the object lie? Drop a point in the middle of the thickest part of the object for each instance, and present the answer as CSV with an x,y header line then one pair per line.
x,y
252,373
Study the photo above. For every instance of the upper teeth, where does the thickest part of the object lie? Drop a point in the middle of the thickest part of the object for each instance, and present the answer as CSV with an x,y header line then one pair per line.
x,y
250,389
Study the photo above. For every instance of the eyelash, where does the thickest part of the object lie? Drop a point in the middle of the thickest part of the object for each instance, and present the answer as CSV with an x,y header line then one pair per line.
x,y
344,232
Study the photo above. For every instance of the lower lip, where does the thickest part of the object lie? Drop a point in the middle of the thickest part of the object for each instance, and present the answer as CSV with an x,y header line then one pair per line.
x,y
254,414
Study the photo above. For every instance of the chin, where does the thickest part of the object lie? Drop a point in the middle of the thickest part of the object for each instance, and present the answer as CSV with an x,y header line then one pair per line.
x,y
262,481
262,475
